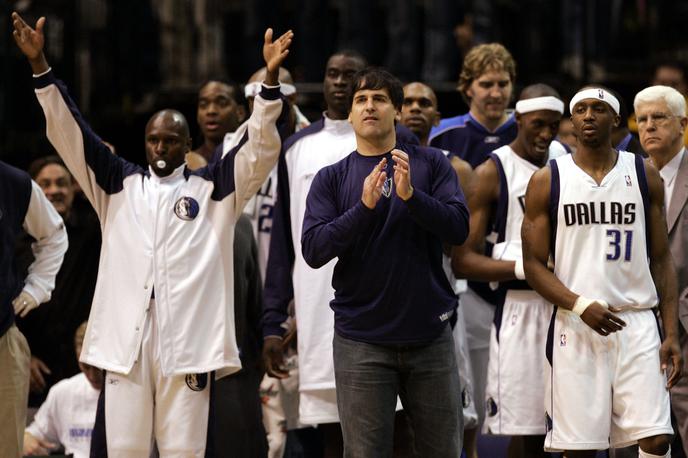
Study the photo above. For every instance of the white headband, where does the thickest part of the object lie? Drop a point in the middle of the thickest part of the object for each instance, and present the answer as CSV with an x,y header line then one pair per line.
x,y
253,89
595,93
540,103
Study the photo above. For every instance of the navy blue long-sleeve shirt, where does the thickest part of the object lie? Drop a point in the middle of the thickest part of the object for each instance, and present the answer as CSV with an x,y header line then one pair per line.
x,y
389,284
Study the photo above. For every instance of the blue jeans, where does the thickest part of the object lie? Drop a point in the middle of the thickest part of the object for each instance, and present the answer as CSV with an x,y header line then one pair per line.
x,y
369,377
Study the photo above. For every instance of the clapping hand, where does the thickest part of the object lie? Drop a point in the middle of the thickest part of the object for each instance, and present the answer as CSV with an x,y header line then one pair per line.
x,y
402,174
372,185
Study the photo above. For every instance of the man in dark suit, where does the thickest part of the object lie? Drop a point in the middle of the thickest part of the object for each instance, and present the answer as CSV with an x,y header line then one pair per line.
x,y
661,116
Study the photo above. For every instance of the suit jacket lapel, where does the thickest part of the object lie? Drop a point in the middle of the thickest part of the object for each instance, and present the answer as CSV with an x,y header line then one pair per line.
x,y
680,195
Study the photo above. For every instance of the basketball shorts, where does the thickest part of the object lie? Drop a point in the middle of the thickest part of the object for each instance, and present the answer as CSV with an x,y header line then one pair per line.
x,y
514,395
603,392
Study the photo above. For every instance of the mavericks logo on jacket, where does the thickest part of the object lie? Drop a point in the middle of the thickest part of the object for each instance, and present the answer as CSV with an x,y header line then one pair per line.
x,y
186,208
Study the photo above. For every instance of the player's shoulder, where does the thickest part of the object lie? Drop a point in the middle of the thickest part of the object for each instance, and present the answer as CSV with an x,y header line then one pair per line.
x,y
11,174
422,151
295,138
501,153
449,124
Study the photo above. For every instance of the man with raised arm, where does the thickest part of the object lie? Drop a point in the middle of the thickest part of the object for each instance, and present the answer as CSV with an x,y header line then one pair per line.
x,y
162,319
598,215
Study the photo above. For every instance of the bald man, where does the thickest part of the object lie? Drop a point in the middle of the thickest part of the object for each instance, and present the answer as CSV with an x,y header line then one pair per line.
x,y
162,320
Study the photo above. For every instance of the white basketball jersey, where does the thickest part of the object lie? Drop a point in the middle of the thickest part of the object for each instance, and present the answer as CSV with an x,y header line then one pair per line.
x,y
600,235
514,174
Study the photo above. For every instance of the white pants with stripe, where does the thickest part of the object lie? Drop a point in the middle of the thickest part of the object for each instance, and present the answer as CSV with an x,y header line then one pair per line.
x,y
514,396
145,405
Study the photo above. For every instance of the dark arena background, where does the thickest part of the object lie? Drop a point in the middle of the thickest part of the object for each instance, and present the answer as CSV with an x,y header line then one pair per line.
x,y
125,59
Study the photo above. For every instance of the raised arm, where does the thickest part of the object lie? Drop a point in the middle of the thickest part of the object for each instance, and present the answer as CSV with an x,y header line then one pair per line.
x,y
45,225
91,162
536,239
244,169
469,260
663,275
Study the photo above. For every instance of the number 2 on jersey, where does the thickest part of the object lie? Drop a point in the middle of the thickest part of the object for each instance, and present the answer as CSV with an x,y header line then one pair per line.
x,y
615,244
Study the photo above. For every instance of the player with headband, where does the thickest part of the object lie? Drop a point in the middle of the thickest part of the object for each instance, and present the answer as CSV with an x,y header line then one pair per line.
x,y
515,387
598,215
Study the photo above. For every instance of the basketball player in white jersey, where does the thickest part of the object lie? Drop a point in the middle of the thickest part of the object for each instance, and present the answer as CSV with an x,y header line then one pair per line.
x,y
598,214
515,383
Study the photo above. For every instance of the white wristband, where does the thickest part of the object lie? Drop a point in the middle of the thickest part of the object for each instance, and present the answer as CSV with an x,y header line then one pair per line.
x,y
518,270
582,303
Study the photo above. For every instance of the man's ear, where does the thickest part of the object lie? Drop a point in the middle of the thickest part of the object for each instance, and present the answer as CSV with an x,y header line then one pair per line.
x,y
397,116
517,118
241,113
436,121
617,120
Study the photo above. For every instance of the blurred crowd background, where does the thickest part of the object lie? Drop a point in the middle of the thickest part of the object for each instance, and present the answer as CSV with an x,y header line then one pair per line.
x,y
125,59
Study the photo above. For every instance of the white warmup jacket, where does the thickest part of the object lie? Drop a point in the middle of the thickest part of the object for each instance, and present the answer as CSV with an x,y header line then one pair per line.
x,y
174,234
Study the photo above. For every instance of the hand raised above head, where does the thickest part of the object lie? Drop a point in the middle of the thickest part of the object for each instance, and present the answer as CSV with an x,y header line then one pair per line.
x,y
274,52
30,41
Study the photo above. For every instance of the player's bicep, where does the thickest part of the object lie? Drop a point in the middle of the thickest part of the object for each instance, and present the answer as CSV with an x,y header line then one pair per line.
x,y
536,226
480,204
659,243
466,175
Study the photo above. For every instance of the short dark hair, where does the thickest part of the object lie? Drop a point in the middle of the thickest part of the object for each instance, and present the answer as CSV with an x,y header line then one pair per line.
x,y
39,164
236,92
352,54
374,78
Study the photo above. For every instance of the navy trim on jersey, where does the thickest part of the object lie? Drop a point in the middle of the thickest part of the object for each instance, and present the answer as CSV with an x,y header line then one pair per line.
x,y
314,128
448,124
549,347
645,192
502,211
109,170
554,205
222,172
98,436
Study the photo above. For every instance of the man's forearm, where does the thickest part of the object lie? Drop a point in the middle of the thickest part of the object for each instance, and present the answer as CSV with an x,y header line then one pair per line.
x,y
39,64
664,276
547,285
323,242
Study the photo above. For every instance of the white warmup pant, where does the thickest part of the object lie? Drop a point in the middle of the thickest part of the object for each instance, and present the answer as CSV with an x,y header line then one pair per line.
x,y
145,405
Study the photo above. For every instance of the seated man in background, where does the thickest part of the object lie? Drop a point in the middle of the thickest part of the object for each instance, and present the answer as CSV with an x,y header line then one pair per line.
x,y
66,417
